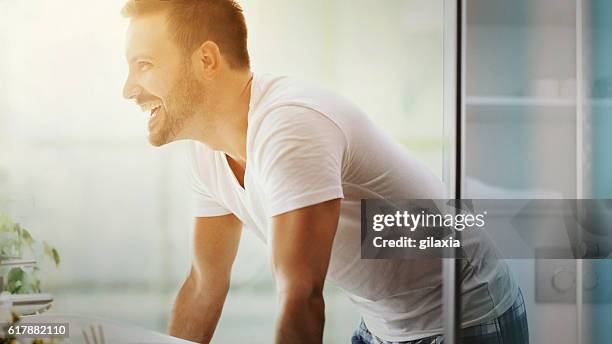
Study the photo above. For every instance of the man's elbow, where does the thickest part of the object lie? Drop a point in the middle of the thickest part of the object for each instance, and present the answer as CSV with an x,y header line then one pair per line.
x,y
300,294
199,283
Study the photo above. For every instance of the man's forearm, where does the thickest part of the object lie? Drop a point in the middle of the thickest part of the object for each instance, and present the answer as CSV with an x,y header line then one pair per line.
x,y
197,310
301,319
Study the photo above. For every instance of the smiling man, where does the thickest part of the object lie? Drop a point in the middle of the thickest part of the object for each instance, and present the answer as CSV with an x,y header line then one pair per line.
x,y
292,163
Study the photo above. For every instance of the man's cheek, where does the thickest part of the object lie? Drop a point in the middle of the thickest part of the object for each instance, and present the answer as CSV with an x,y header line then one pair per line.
x,y
154,85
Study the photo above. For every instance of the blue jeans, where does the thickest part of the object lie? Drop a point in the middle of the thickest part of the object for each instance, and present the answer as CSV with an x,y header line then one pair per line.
x,y
509,328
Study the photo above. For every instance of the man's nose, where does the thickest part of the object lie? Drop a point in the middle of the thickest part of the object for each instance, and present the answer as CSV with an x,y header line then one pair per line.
x,y
130,89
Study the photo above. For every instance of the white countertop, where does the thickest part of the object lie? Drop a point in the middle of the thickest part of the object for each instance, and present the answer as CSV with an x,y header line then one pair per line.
x,y
114,332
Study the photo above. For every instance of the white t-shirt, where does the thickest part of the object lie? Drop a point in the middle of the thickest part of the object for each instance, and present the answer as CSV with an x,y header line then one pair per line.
x,y
306,146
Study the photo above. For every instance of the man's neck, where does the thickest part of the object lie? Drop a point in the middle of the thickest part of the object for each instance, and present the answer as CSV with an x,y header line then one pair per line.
x,y
231,116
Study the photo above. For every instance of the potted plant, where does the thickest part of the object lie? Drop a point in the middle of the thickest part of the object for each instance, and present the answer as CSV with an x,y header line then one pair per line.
x,y
19,276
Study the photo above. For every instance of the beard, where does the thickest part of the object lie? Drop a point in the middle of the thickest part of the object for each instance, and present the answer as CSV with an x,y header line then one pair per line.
x,y
183,101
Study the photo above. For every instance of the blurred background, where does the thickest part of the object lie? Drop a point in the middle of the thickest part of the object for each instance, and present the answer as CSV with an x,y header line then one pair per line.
x,y
77,171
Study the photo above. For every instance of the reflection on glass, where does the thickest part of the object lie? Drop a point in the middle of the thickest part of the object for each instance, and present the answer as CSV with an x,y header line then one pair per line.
x,y
521,132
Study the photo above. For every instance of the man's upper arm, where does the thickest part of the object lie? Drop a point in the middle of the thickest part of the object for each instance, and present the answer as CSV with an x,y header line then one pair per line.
x,y
301,242
215,243
298,158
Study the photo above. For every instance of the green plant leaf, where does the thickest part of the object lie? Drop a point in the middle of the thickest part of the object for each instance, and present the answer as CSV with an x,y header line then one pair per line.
x,y
21,281
52,253
30,283
15,280
6,224
56,256
25,236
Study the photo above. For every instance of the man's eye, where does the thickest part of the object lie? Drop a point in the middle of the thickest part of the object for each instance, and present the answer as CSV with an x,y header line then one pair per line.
x,y
144,65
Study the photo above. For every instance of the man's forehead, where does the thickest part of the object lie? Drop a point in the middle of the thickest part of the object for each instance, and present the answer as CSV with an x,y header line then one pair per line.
x,y
147,36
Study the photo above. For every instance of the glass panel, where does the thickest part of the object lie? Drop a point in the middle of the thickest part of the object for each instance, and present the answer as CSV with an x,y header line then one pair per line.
x,y
521,132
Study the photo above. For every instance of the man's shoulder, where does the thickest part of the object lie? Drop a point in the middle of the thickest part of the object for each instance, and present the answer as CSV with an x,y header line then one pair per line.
x,y
285,102
292,124
274,92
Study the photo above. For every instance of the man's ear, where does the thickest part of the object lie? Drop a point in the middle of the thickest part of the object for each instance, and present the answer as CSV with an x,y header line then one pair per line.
x,y
208,59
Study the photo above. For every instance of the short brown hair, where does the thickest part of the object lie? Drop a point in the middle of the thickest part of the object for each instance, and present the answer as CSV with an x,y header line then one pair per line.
x,y
193,22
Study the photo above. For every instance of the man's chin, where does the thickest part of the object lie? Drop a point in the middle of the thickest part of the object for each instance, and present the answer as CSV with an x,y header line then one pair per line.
x,y
157,141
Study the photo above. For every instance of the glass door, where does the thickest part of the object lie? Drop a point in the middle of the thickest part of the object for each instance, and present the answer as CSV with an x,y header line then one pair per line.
x,y
534,123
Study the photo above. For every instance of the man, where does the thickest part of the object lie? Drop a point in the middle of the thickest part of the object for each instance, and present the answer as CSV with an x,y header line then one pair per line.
x,y
291,162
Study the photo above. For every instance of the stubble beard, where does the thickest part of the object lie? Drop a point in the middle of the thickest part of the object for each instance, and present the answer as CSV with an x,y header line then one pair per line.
x,y
183,101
